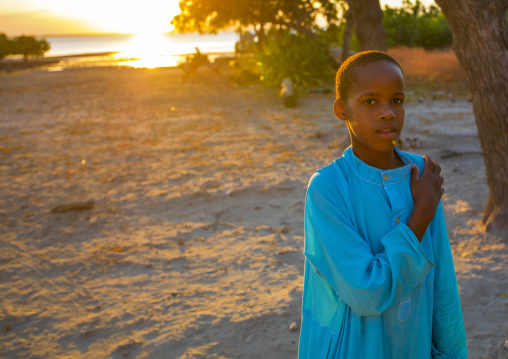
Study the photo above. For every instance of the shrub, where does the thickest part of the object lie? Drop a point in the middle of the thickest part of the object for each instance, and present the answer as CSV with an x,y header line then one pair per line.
x,y
414,25
334,35
293,56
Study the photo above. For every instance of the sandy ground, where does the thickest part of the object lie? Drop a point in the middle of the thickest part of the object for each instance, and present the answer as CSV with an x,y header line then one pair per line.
x,y
193,248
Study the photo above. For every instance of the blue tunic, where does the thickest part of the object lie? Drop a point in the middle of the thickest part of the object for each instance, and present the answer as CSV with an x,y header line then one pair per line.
x,y
371,290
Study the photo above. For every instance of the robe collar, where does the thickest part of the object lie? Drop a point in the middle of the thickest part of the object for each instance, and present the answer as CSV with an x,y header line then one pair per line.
x,y
377,175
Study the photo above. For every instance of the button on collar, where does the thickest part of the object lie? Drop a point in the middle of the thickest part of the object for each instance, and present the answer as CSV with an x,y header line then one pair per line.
x,y
376,175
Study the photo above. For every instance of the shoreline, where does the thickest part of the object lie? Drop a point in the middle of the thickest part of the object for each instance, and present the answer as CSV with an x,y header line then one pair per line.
x,y
105,59
89,54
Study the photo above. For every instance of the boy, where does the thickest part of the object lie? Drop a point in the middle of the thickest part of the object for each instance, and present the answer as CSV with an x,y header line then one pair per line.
x,y
379,278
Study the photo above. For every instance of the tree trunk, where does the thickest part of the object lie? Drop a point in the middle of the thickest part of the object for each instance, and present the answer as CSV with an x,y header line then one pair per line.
x,y
261,36
368,20
346,42
480,41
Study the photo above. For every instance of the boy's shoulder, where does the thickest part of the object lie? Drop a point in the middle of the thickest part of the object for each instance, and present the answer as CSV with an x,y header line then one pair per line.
x,y
413,158
335,172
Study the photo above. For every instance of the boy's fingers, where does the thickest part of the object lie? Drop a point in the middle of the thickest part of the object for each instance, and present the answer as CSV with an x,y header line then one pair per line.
x,y
429,165
415,172
437,168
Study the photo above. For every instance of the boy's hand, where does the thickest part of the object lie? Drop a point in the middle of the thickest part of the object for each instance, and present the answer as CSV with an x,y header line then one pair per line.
x,y
427,191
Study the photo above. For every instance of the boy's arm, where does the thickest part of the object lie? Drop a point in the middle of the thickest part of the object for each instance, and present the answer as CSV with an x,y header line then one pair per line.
x,y
369,284
448,334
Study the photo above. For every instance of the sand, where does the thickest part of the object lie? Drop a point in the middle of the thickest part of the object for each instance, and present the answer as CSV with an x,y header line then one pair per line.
x,y
192,246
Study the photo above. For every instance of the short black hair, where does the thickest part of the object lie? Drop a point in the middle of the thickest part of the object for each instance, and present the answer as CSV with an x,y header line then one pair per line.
x,y
347,70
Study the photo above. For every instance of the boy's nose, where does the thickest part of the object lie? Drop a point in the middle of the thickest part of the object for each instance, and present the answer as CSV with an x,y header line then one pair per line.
x,y
387,114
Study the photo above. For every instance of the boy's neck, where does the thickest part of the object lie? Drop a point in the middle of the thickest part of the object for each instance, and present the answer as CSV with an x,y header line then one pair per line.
x,y
382,160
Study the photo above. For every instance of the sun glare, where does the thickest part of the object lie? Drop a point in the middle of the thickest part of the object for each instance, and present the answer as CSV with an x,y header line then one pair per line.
x,y
147,50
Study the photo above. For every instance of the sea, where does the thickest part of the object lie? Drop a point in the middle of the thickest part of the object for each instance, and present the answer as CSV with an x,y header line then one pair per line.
x,y
147,50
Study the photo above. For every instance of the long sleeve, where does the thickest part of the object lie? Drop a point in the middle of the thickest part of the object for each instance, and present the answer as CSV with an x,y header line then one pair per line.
x,y
369,283
448,333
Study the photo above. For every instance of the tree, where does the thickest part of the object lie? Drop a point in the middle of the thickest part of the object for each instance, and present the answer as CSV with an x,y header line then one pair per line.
x,y
209,16
29,45
480,41
5,46
346,39
368,19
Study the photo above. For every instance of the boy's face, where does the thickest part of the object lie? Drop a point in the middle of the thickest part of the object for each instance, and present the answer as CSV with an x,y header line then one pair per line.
x,y
374,109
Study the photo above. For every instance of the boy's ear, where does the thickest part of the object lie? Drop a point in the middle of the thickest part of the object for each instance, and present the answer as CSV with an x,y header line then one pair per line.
x,y
338,109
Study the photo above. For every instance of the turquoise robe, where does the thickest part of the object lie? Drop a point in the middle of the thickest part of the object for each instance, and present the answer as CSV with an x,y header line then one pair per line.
x,y
371,290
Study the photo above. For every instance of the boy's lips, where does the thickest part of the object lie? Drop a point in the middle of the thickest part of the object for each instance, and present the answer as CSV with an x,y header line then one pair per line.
x,y
389,133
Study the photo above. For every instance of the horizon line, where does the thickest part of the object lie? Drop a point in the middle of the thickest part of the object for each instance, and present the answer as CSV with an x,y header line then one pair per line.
x,y
108,34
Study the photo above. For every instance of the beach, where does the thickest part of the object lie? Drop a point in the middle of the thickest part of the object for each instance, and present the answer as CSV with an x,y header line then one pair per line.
x,y
148,214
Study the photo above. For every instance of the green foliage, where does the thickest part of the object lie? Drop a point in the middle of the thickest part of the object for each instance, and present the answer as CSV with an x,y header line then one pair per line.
x,y
400,26
414,25
29,45
23,45
209,16
334,35
433,30
5,46
296,57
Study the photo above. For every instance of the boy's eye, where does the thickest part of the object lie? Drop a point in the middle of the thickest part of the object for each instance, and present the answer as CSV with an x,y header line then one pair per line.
x,y
398,101
369,101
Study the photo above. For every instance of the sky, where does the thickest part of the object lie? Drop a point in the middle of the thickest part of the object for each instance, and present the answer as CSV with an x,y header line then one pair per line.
x,y
58,17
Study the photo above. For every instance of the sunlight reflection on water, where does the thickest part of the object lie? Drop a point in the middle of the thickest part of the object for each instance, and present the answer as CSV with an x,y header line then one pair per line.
x,y
149,51
146,50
